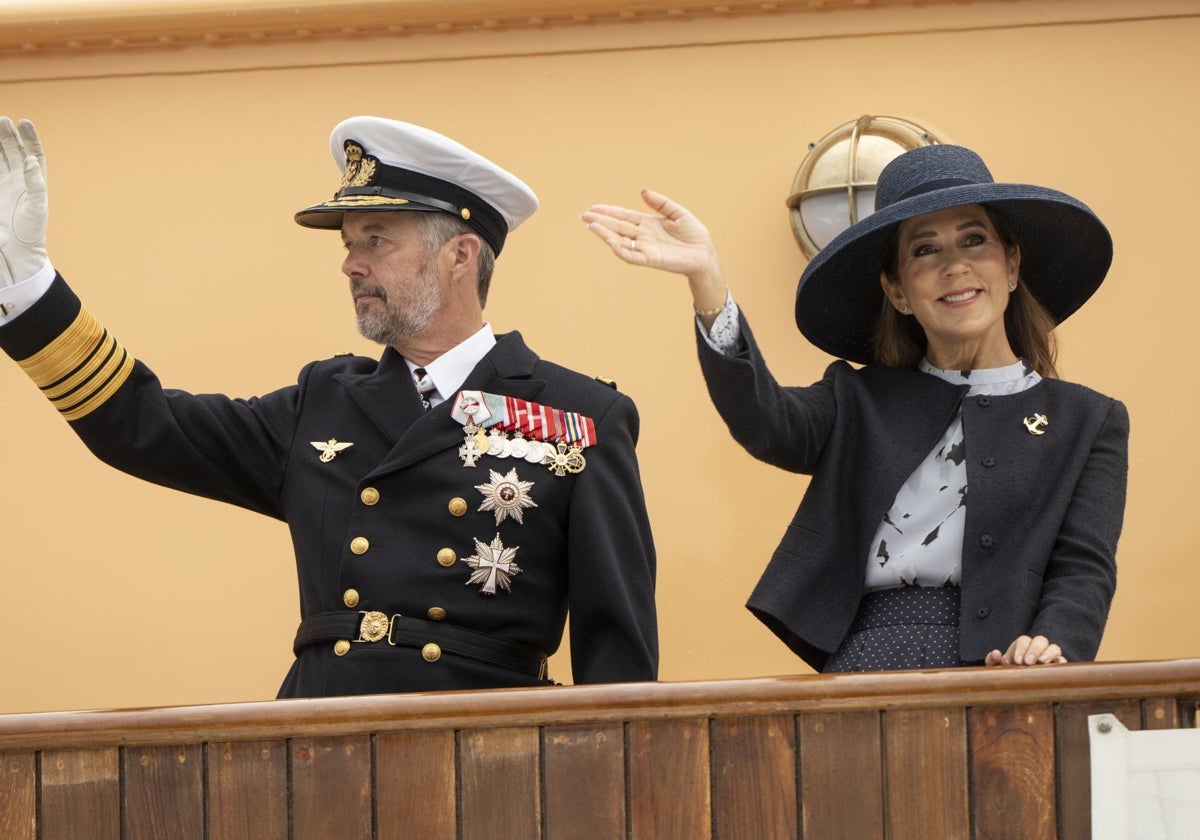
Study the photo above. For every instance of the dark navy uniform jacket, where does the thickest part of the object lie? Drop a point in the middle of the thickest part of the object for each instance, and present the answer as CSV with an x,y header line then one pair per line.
x,y
1043,514
382,525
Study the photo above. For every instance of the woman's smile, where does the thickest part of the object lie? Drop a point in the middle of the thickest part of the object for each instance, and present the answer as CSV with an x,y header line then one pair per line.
x,y
960,297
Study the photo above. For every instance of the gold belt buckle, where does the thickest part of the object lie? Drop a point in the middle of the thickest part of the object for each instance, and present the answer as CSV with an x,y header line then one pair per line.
x,y
374,627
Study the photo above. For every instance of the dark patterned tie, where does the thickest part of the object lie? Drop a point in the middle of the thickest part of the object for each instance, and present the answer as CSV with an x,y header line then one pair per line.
x,y
425,386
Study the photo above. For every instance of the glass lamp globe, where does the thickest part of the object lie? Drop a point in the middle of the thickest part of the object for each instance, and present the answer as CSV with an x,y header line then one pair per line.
x,y
835,184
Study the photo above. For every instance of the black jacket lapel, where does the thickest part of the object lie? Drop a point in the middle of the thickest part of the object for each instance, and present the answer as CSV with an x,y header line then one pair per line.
x,y
388,395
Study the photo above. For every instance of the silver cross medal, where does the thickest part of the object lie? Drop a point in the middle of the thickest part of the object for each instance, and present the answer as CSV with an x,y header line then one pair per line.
x,y
493,565
469,452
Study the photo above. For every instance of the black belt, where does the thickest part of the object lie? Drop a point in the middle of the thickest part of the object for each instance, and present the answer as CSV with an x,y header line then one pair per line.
x,y
402,631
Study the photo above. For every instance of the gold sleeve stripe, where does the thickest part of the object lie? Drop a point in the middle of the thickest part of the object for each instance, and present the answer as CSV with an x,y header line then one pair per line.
x,y
81,369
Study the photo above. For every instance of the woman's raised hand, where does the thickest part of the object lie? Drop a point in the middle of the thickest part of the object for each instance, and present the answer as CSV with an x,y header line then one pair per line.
x,y
670,238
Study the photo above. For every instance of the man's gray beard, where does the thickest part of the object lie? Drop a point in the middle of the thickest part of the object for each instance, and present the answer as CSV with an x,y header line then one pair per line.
x,y
401,321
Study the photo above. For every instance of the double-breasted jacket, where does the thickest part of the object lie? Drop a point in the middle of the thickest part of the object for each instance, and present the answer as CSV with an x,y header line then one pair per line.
x,y
395,523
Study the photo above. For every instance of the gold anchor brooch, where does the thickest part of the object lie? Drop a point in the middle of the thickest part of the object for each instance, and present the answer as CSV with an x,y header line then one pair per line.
x,y
1035,423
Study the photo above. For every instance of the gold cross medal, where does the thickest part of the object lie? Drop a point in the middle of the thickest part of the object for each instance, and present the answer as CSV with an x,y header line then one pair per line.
x,y
493,566
330,448
575,432
566,459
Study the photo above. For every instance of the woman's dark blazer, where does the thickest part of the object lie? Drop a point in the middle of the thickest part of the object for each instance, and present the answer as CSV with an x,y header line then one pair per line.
x,y
1044,511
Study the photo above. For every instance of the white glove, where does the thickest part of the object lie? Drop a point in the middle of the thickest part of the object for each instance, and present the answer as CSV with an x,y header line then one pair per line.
x,y
23,202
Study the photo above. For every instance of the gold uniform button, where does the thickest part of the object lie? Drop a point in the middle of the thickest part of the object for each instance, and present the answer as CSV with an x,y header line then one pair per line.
x,y
436,614
431,652
350,597
458,506
341,647
446,557
359,545
369,495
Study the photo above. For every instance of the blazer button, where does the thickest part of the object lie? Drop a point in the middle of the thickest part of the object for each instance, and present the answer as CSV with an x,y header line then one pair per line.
x,y
983,612
436,614
446,557
989,462
986,541
431,652
983,402
350,598
457,506
359,545
369,496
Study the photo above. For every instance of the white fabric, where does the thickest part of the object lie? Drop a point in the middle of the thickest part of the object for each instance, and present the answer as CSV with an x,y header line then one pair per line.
x,y
412,147
23,203
1145,785
16,299
451,369
726,330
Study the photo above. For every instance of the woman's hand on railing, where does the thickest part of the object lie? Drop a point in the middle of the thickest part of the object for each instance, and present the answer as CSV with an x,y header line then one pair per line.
x,y
1025,650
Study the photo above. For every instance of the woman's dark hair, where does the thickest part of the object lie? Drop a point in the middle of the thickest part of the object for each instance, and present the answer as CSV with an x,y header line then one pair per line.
x,y
900,341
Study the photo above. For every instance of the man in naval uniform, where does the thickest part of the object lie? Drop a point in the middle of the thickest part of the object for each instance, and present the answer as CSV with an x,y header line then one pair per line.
x,y
450,502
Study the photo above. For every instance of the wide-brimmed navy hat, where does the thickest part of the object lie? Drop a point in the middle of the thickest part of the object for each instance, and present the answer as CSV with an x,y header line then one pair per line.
x,y
1065,248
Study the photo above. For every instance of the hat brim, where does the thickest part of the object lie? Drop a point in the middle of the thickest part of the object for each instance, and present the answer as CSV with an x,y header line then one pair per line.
x,y
1065,254
328,215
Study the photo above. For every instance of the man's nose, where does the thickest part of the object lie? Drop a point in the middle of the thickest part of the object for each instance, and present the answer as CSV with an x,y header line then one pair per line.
x,y
353,265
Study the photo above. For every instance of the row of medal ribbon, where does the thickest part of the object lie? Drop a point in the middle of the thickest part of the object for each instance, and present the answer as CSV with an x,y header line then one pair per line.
x,y
541,434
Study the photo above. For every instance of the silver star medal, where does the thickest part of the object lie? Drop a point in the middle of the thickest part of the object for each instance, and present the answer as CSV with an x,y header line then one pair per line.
x,y
330,448
506,495
494,566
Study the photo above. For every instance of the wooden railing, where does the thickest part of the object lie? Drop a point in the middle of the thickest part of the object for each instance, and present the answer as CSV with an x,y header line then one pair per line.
x,y
973,753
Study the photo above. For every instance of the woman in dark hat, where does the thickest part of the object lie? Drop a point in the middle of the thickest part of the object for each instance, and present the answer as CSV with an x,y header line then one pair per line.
x,y
965,503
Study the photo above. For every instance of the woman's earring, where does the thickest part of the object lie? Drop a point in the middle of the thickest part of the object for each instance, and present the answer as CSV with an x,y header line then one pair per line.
x,y
904,310
1012,285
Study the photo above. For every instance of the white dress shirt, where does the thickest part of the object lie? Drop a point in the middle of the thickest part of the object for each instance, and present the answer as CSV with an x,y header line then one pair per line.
x,y
450,370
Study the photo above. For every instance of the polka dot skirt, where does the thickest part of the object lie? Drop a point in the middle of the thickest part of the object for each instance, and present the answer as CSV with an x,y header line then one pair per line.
x,y
900,629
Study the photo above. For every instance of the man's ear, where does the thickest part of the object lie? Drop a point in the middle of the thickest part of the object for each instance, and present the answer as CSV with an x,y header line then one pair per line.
x,y
464,252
